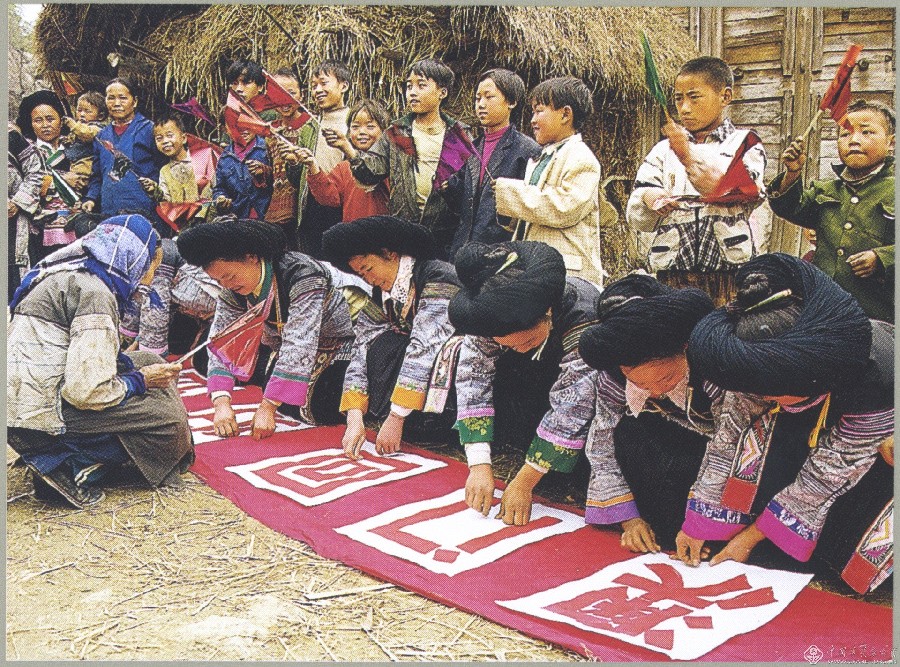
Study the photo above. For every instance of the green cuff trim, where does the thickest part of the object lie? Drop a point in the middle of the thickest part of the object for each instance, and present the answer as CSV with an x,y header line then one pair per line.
x,y
475,429
552,457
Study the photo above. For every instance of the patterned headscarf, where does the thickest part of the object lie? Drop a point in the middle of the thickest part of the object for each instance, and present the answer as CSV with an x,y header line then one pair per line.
x,y
118,251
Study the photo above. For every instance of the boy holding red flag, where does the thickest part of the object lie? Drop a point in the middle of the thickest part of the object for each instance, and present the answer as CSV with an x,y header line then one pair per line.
x,y
853,214
697,188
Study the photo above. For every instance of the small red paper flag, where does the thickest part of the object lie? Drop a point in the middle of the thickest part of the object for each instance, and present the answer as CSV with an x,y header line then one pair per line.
x,y
276,96
239,116
195,109
237,346
736,186
837,98
178,215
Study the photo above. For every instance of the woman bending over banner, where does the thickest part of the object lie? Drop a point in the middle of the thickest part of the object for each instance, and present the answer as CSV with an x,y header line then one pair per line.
x,y
522,318
76,405
402,359
285,302
653,417
806,474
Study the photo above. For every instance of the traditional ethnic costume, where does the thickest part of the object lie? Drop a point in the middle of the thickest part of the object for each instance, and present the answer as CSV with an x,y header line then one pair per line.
x,y
403,354
543,394
75,403
25,174
645,451
809,474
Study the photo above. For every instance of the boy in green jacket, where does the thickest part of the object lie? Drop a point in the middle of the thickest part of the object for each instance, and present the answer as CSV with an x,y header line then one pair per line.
x,y
853,215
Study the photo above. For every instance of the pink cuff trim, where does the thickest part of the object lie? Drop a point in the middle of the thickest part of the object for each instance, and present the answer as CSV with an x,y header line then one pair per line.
x,y
784,538
161,351
219,383
612,514
475,412
286,391
700,528
556,440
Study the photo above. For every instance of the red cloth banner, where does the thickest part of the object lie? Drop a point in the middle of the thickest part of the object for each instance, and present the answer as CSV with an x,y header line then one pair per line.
x,y
402,521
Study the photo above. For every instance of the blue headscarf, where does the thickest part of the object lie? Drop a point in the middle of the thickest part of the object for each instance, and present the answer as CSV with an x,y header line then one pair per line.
x,y
118,251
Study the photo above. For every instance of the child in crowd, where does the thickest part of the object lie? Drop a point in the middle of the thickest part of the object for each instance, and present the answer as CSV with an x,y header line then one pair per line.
x,y
329,85
287,170
246,78
697,244
91,117
853,214
244,177
337,187
502,151
558,201
409,151
189,176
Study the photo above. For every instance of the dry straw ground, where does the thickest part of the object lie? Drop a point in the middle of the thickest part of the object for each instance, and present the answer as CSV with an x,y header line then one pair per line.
x,y
185,575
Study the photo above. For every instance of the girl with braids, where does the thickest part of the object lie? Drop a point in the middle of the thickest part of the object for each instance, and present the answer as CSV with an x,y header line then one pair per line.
x,y
307,323
806,473
519,366
652,415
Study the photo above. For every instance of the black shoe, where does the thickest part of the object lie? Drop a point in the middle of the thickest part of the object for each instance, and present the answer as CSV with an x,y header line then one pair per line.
x,y
61,483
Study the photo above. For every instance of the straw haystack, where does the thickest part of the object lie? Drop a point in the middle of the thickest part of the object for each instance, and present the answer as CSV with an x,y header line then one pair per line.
x,y
181,51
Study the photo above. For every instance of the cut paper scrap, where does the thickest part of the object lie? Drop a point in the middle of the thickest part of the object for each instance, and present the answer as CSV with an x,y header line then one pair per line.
x,y
317,477
666,606
445,536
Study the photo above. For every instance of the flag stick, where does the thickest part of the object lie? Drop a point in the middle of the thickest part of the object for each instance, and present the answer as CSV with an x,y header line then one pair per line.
x,y
812,124
191,353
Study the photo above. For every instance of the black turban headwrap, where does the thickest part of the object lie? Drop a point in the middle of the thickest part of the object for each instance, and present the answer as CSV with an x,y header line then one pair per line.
x,y
507,287
230,240
31,102
826,348
372,235
641,320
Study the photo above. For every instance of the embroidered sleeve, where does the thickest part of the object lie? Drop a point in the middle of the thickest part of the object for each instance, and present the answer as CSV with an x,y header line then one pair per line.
x,y
609,498
299,342
218,377
563,430
793,519
430,330
28,195
707,517
475,389
370,322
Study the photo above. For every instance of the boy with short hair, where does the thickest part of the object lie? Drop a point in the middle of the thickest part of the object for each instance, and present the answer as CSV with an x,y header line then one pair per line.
x,y
697,244
188,176
329,85
409,151
559,200
853,214
244,178
246,78
288,174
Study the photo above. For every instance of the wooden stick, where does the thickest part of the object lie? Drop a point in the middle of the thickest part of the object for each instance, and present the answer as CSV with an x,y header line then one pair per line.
x,y
812,124
347,591
188,355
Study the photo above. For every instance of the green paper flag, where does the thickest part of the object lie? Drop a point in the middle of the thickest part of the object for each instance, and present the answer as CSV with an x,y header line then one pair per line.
x,y
653,84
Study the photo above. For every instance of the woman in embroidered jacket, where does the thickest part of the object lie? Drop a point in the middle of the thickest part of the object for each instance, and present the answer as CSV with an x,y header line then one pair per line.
x,y
307,323
400,332
522,318
76,405
806,474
